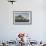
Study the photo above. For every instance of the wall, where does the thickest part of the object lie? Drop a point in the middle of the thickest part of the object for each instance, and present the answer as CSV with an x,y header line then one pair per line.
x,y
9,31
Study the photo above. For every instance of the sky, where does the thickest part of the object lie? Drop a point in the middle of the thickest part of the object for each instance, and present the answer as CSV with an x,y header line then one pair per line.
x,y
9,31
25,15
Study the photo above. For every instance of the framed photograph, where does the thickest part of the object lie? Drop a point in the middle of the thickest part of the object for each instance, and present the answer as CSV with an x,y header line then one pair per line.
x,y
22,17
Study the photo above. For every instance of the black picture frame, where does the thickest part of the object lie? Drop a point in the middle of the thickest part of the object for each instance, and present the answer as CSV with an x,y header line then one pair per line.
x,y
22,17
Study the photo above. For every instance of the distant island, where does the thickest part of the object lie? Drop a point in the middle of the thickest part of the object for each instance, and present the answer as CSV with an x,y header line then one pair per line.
x,y
20,18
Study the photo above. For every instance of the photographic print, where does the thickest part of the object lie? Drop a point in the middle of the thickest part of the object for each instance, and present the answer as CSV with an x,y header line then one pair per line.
x,y
22,17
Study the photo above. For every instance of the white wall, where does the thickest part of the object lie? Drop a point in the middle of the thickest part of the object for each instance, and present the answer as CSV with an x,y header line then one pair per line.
x,y
9,31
